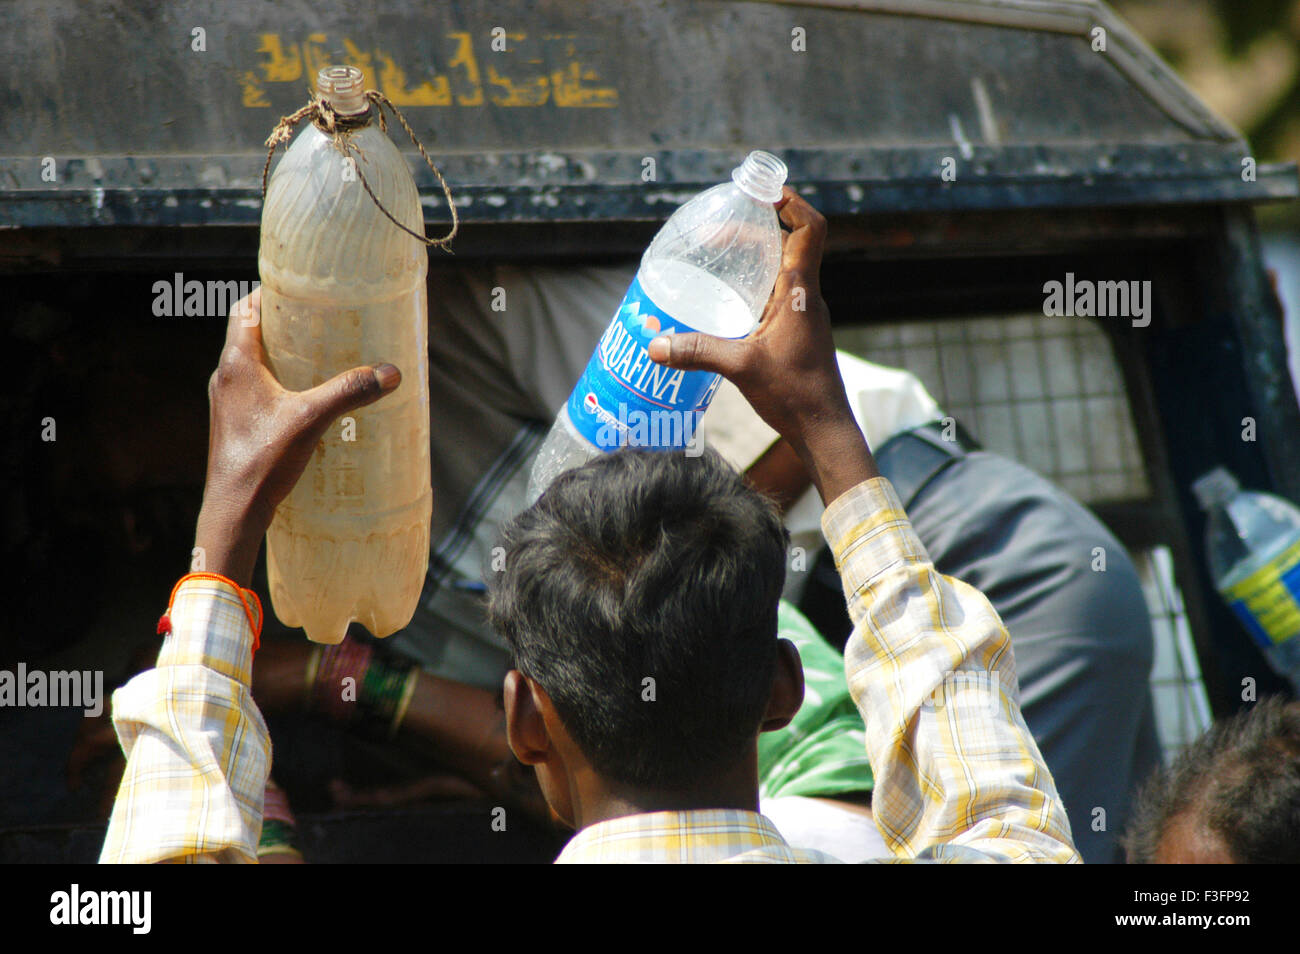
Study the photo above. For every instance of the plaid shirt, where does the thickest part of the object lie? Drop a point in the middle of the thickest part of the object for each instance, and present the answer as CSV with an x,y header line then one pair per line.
x,y
929,664
197,751
700,837
958,777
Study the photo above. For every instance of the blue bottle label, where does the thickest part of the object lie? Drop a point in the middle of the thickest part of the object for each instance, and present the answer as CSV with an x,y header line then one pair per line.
x,y
625,399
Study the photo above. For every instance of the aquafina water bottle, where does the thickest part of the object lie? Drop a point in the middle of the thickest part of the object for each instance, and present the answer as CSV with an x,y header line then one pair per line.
x,y
711,268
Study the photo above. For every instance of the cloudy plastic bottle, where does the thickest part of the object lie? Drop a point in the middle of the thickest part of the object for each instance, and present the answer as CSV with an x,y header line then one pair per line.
x,y
342,286
711,268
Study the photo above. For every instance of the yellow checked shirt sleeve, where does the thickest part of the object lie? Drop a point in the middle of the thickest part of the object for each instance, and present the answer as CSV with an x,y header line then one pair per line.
x,y
197,750
930,666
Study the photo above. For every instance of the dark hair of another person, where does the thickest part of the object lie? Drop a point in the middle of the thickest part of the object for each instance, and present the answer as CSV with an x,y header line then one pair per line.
x,y
639,566
1240,781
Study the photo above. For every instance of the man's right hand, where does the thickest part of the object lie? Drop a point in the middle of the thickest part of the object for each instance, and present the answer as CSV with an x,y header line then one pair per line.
x,y
787,369
261,438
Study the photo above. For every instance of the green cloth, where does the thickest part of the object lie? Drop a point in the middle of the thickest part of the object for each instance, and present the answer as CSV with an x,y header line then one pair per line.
x,y
822,752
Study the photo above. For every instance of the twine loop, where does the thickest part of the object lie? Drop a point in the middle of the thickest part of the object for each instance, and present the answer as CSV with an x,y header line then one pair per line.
x,y
340,129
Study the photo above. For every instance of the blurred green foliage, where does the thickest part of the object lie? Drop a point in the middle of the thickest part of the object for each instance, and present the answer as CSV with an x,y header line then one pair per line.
x,y
1241,56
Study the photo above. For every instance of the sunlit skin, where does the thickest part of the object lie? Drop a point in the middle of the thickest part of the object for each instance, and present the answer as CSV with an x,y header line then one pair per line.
x,y
1186,841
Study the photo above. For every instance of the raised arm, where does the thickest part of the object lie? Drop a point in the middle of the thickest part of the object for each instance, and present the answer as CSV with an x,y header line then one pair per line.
x,y
197,750
958,776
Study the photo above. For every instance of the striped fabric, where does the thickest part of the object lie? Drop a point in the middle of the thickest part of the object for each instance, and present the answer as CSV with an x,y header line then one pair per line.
x,y
958,777
699,837
197,751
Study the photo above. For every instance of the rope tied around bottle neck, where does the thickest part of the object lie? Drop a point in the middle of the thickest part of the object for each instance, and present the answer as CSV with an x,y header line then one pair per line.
x,y
340,129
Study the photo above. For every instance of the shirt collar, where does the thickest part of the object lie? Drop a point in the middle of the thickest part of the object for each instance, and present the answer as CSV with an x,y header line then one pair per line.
x,y
691,837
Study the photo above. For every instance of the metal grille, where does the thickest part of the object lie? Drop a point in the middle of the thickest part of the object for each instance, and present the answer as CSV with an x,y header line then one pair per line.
x,y
1046,392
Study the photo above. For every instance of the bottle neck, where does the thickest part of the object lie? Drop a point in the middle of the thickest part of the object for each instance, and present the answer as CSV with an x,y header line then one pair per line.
x,y
343,88
760,176
1215,489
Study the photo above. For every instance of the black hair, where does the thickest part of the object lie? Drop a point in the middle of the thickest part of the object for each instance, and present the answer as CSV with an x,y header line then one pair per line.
x,y
1239,782
640,591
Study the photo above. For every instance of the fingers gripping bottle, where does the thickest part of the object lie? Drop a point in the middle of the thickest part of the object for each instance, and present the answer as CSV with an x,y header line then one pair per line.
x,y
342,286
1253,547
711,268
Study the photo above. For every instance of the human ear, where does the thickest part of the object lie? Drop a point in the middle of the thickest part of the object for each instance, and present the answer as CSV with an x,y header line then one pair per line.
x,y
787,687
525,728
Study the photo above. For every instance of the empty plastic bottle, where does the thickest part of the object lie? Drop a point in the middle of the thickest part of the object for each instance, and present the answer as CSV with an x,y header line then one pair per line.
x,y
710,268
1253,545
342,286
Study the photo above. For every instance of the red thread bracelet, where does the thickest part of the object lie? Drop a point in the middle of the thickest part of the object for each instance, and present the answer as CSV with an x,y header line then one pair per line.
x,y
254,620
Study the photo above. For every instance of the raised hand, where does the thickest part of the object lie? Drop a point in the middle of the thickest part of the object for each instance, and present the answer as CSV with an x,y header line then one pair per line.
x,y
261,437
787,369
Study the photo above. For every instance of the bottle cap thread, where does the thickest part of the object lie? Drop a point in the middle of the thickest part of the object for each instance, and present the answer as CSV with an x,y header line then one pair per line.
x,y
761,175
343,88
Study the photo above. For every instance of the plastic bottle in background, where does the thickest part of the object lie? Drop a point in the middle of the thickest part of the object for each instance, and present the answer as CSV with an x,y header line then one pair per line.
x,y
1253,545
711,268
342,286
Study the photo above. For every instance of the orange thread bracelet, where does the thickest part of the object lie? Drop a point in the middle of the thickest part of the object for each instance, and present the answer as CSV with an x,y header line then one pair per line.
x,y
254,620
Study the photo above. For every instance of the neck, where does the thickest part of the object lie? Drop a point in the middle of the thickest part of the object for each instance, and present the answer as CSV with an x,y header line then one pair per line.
x,y
598,800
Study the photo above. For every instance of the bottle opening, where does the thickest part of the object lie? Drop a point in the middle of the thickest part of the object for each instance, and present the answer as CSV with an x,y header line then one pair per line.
x,y
1214,488
761,175
342,88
